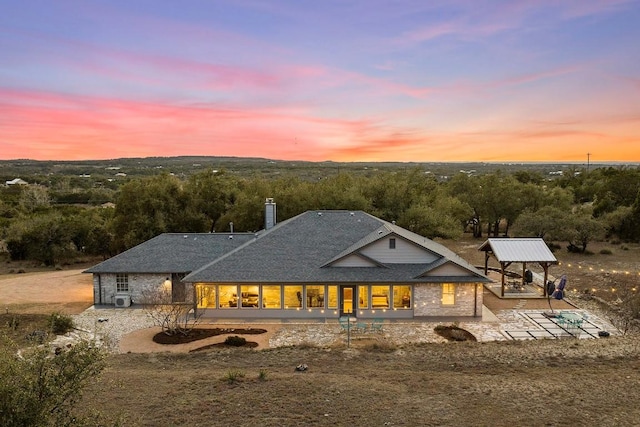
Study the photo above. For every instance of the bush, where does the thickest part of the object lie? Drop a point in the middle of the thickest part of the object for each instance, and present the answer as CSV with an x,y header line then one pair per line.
x,y
60,323
40,390
605,252
235,341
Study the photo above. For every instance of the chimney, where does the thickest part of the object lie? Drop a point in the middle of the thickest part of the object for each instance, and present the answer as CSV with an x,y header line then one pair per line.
x,y
269,213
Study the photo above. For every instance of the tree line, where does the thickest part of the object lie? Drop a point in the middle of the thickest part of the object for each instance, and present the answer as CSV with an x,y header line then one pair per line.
x,y
580,207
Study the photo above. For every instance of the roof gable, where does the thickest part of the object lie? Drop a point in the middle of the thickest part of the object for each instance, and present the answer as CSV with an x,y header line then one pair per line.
x,y
305,247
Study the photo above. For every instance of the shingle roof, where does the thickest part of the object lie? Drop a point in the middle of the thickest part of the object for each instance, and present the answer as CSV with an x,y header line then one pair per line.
x,y
519,250
173,253
299,250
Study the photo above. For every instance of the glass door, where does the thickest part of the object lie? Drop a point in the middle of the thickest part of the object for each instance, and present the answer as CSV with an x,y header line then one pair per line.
x,y
347,300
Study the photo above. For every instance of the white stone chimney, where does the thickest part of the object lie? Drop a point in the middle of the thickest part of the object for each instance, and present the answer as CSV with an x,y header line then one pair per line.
x,y
269,213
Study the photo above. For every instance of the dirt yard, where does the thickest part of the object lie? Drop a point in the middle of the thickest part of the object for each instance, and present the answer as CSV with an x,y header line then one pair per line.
x,y
43,292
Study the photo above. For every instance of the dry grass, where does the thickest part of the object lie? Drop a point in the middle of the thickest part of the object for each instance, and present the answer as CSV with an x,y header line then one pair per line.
x,y
559,383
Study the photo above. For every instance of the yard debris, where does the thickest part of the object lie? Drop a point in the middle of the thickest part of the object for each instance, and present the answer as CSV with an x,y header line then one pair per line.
x,y
302,367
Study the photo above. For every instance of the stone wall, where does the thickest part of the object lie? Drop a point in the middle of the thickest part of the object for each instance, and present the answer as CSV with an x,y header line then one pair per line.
x,y
137,283
428,297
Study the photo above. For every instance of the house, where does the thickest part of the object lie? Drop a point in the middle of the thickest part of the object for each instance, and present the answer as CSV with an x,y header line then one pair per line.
x,y
317,265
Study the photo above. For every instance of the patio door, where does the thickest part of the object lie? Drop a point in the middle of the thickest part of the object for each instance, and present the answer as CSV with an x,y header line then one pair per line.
x,y
347,300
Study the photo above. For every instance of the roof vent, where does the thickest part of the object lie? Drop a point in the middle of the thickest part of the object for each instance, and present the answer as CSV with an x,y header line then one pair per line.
x,y
352,213
393,222
319,213
379,231
230,237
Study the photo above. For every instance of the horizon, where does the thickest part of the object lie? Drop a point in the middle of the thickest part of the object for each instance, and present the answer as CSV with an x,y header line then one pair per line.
x,y
187,156
362,82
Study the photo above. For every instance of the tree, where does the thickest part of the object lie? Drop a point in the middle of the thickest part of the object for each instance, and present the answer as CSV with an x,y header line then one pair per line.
x,y
580,229
173,317
546,223
41,389
151,206
41,237
34,197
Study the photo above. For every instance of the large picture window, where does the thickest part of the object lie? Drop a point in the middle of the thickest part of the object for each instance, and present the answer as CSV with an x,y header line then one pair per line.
x,y
380,297
206,295
332,293
363,296
249,296
448,294
315,296
228,297
293,297
122,283
271,296
402,296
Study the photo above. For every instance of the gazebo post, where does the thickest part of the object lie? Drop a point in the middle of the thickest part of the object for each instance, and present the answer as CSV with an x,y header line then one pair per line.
x,y
486,262
502,267
524,269
545,267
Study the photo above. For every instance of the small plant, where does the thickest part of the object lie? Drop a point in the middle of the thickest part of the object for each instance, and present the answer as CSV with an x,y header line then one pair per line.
x,y
605,251
262,375
235,341
381,347
60,323
13,323
234,376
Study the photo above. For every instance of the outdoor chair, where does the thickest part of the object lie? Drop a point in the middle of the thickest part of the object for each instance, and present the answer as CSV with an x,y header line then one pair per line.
x,y
376,325
361,327
344,325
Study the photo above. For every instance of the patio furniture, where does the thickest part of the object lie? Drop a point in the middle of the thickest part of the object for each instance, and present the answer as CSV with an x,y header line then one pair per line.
x,y
376,325
361,327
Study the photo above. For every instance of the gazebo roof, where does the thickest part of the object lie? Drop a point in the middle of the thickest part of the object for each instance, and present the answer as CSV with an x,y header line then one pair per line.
x,y
519,250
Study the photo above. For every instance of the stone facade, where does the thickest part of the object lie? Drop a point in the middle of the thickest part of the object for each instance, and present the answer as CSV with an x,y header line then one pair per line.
x,y
105,283
428,300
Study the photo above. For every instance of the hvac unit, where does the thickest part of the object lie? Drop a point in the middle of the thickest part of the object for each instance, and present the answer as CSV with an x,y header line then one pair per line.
x,y
123,300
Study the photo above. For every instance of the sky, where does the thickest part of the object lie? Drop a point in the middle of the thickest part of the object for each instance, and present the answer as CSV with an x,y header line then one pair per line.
x,y
349,80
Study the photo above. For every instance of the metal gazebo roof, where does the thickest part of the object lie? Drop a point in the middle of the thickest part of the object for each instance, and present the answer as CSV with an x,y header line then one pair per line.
x,y
521,250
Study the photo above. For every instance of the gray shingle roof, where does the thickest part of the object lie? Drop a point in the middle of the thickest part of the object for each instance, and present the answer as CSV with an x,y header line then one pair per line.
x,y
519,250
298,250
173,253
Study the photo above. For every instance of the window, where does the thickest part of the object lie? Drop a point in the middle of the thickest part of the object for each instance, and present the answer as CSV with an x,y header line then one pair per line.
x,y
448,294
315,296
122,283
332,292
402,296
380,297
228,296
249,296
293,297
271,296
363,296
392,243
206,295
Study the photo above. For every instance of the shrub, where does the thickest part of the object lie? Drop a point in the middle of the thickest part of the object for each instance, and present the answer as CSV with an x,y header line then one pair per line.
x,y
235,341
234,375
60,323
262,375
381,346
605,251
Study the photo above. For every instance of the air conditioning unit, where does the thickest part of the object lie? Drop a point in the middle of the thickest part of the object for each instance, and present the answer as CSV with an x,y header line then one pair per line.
x,y
123,300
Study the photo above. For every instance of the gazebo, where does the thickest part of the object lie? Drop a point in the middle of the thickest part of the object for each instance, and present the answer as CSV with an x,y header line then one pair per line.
x,y
522,250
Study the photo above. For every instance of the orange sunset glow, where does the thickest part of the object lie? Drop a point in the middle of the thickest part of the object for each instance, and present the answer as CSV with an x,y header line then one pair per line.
x,y
410,81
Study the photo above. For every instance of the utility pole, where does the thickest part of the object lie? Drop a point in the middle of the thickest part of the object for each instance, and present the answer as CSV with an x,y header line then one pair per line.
x,y
588,161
